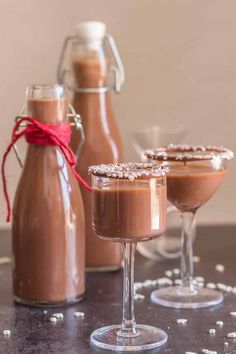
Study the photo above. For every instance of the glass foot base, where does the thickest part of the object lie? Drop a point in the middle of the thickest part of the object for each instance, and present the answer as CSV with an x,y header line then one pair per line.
x,y
148,337
173,297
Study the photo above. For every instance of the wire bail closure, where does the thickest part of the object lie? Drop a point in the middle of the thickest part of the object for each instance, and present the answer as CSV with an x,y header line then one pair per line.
x,y
117,70
76,123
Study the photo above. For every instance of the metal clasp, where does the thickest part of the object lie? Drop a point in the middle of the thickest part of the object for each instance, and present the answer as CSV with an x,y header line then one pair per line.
x,y
119,68
76,123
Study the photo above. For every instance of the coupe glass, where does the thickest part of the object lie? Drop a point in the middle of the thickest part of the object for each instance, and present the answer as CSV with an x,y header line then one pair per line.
x,y
128,206
195,173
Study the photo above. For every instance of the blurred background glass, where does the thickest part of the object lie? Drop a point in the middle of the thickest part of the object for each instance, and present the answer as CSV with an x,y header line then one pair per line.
x,y
168,245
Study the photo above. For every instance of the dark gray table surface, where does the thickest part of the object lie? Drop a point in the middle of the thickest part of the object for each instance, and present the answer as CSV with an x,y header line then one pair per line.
x,y
33,333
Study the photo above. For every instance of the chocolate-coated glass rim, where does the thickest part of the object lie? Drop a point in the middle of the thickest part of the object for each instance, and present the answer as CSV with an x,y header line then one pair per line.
x,y
185,152
128,170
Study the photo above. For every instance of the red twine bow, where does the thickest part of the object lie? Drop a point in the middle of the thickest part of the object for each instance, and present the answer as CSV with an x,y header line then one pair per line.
x,y
42,134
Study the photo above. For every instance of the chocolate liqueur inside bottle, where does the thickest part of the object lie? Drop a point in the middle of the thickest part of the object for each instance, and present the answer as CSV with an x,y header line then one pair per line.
x,y
91,99
48,215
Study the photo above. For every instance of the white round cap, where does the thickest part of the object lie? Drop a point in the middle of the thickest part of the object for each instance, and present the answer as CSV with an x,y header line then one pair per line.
x,y
91,32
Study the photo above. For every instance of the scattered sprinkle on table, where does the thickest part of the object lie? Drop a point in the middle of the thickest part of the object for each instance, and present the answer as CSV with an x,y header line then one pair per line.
x,y
231,335
207,351
6,332
176,271
200,285
164,281
212,331
220,268
147,283
139,297
199,279
45,312
58,316
169,273
196,259
79,315
221,286
229,289
233,313
211,286
152,283
182,320
53,319
220,323
190,353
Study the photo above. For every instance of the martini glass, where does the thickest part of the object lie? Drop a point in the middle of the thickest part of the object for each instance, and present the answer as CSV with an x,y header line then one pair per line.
x,y
195,173
128,206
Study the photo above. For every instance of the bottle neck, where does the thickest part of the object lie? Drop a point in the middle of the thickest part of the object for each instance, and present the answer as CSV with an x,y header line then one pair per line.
x,y
90,66
48,110
90,72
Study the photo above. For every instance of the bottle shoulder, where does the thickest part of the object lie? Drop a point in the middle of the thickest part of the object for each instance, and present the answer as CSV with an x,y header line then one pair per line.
x,y
46,174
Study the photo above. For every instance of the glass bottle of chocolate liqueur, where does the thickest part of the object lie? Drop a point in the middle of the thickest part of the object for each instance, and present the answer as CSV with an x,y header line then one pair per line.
x,y
89,76
48,227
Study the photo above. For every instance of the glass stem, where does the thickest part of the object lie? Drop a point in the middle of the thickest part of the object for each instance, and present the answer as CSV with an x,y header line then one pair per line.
x,y
188,230
128,326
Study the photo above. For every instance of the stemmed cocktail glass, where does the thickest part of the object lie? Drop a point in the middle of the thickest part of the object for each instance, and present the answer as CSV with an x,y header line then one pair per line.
x,y
128,206
195,173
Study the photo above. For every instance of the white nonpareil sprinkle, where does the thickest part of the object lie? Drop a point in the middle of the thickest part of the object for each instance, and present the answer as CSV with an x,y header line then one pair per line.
x,y
199,279
182,320
139,297
231,335
176,271
45,312
190,353
164,281
211,286
138,285
53,319
6,332
221,286
178,281
58,316
169,273
79,315
207,351
233,313
228,289
147,283
200,285
220,323
234,290
220,268
152,283
5,260
226,344
212,331
196,259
